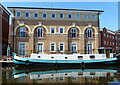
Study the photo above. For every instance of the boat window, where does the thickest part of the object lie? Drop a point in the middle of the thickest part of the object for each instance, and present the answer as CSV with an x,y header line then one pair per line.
x,y
80,73
65,73
92,57
65,57
38,75
38,56
52,57
80,57
92,73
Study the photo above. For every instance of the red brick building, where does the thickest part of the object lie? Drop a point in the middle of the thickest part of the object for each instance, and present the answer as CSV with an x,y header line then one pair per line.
x,y
110,39
4,26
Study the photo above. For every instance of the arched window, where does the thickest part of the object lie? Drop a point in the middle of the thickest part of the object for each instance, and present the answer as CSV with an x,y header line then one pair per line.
x,y
22,32
40,32
89,33
73,33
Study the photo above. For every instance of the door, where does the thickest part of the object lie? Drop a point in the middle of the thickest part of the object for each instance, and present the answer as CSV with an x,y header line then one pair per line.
x,y
89,48
22,49
73,47
40,47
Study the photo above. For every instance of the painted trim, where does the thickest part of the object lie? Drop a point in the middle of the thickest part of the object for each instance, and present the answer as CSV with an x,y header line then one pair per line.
x,y
42,46
73,27
43,26
63,46
63,30
22,25
54,28
54,46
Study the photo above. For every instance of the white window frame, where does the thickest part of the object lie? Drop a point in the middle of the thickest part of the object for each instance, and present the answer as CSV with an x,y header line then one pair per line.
x,y
94,17
87,48
28,13
54,46
51,15
63,46
86,16
42,32
73,32
17,13
42,46
51,30
77,16
19,47
88,33
76,46
71,16
63,30
43,14
22,31
59,15
37,14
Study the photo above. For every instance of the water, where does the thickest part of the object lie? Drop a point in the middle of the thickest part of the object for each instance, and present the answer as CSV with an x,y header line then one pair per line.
x,y
66,75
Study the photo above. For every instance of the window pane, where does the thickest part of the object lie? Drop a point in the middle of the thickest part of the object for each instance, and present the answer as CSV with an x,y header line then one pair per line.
x,y
86,16
69,16
61,30
44,15
77,16
22,32
18,14
53,15
61,15
40,32
36,14
27,14
52,47
61,47
52,30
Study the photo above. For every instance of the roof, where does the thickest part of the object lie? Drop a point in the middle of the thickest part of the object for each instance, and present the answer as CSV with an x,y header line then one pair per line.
x,y
55,9
5,9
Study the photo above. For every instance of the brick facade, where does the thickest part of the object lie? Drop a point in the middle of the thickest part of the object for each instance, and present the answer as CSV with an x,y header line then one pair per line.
x,y
110,39
4,26
32,24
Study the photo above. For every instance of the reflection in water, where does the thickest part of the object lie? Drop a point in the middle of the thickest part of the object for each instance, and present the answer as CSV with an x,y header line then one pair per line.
x,y
87,75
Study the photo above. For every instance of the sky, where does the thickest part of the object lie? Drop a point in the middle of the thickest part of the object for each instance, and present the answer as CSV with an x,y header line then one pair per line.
x,y
108,19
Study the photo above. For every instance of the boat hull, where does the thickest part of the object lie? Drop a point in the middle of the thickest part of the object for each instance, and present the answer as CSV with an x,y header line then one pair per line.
x,y
67,63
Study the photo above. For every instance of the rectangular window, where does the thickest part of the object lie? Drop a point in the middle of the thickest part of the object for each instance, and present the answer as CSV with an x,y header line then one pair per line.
x,y
69,16
53,15
52,47
2,11
86,16
18,14
61,30
44,15
22,32
36,15
93,17
77,16
61,46
27,14
61,15
52,30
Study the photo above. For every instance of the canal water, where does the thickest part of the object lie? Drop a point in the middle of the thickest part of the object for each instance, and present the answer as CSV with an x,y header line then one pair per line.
x,y
58,75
